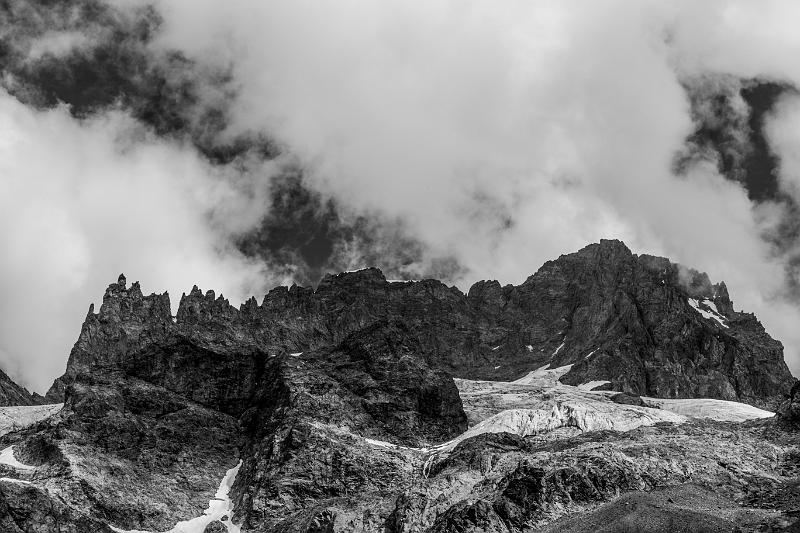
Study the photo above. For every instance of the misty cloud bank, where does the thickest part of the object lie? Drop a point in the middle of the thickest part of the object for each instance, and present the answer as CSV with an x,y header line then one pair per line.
x,y
251,143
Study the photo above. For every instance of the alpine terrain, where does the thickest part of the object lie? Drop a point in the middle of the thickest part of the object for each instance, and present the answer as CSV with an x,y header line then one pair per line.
x,y
608,392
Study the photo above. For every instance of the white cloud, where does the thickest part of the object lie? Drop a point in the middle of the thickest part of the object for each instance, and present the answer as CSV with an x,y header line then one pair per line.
x,y
457,117
82,202
503,134
783,131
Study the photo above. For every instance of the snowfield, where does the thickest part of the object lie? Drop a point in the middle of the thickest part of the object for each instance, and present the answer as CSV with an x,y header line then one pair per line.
x,y
538,403
592,384
722,410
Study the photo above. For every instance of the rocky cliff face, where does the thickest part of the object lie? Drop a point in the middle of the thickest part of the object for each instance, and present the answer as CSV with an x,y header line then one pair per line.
x,y
645,325
341,402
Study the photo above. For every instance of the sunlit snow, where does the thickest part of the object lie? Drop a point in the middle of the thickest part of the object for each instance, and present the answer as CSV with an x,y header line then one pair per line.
x,y
592,384
542,376
722,410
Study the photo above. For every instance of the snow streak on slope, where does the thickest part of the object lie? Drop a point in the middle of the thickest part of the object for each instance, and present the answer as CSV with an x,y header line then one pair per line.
x,y
592,384
219,509
711,313
7,458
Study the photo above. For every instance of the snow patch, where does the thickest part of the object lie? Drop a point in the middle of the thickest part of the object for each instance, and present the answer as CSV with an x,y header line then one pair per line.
x,y
498,366
714,314
543,377
382,443
14,480
559,348
529,347
496,348
592,384
219,508
722,410
591,353
7,458
296,354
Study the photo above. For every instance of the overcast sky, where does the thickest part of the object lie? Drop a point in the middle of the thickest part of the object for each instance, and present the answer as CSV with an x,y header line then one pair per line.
x,y
242,144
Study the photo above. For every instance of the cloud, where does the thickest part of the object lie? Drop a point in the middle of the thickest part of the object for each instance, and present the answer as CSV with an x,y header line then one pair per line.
x,y
81,202
503,135
466,139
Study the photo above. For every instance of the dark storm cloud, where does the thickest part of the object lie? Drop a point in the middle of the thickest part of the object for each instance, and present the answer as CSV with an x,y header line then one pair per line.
x,y
730,119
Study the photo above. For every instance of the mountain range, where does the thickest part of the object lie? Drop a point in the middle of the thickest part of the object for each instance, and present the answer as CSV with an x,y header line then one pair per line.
x,y
608,392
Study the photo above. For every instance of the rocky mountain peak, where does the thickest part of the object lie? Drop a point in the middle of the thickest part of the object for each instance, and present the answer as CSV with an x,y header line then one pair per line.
x,y
639,324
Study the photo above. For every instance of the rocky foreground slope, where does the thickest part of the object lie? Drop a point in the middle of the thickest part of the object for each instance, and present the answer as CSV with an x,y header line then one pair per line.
x,y
369,405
